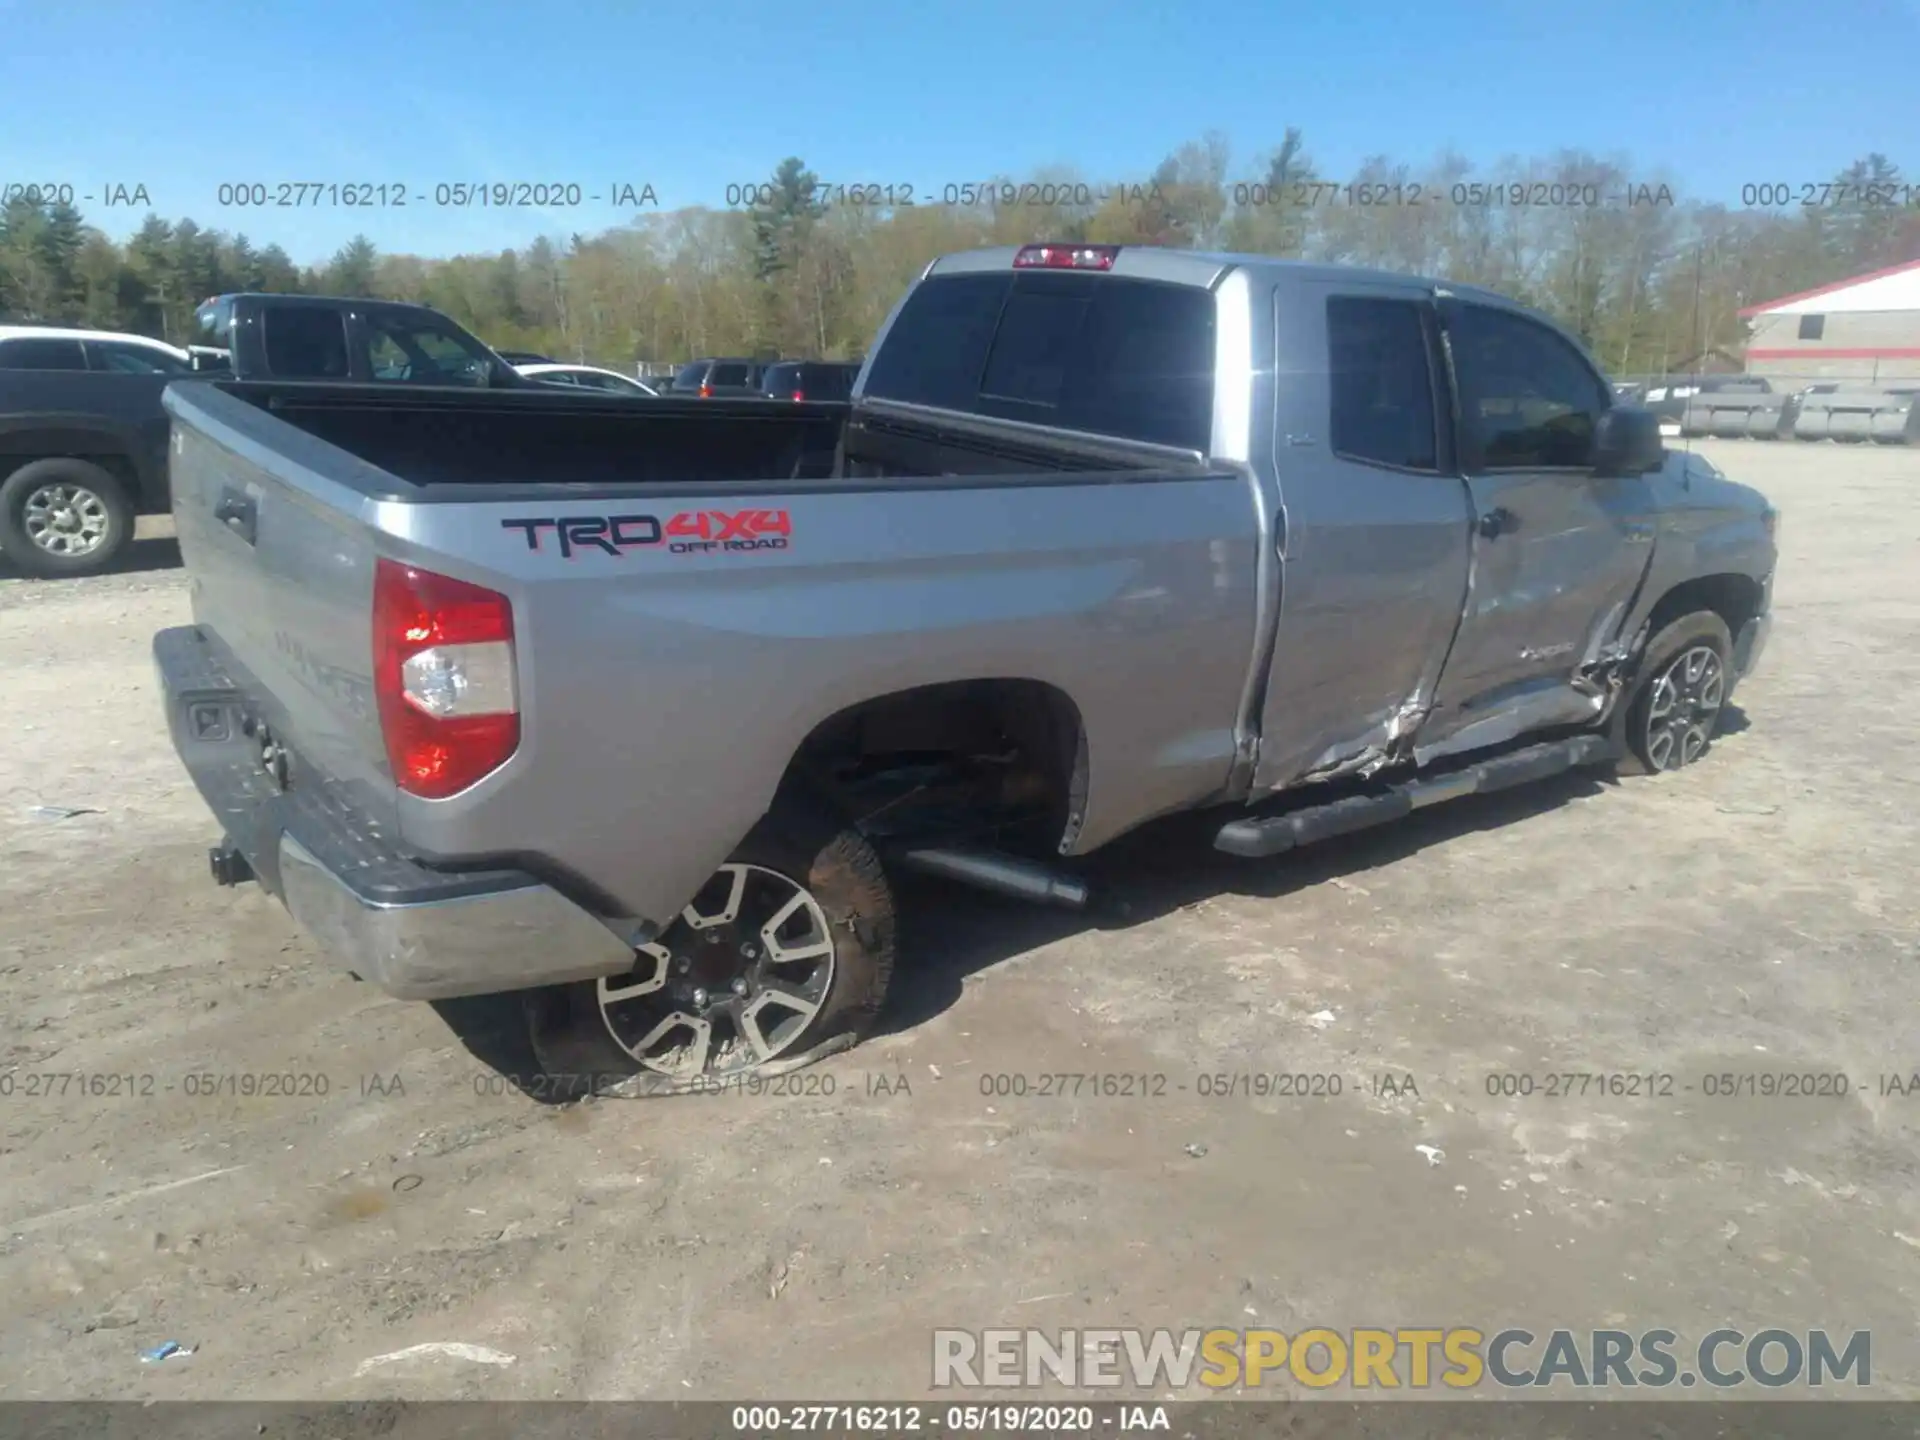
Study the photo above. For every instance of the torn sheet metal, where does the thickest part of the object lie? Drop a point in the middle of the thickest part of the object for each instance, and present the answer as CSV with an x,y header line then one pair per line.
x,y
1388,741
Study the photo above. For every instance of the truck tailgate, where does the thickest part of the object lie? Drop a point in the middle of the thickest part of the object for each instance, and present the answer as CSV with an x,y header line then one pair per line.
x,y
281,576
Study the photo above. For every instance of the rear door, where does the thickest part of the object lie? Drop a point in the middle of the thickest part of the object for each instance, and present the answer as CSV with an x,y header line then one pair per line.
x,y
1376,526
1557,551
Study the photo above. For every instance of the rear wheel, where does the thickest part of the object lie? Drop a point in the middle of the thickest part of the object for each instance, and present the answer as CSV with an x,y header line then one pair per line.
x,y
63,517
782,957
1676,707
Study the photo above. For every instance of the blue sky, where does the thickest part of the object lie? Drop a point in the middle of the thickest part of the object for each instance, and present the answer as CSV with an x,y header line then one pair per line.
x,y
691,97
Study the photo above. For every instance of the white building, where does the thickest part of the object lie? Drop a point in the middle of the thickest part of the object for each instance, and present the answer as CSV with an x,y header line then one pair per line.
x,y
1866,329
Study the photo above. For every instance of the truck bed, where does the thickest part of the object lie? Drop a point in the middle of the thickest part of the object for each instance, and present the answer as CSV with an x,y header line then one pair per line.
x,y
665,683
433,439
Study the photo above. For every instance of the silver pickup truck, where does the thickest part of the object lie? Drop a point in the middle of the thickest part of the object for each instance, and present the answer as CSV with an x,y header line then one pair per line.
x,y
636,708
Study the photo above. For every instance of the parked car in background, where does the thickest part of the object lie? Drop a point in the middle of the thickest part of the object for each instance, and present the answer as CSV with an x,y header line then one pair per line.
x,y
335,337
809,380
587,377
524,357
722,376
83,443
83,437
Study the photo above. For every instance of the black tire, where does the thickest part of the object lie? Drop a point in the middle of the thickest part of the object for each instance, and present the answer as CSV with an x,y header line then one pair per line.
x,y
96,497
572,1034
1688,736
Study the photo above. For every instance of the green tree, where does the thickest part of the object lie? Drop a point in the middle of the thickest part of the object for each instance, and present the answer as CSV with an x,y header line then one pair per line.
x,y
354,269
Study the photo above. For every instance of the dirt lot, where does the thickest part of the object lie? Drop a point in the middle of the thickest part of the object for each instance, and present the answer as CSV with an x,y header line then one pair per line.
x,y
1749,916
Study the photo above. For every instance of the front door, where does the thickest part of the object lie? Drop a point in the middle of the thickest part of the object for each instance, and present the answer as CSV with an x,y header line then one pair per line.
x,y
1558,552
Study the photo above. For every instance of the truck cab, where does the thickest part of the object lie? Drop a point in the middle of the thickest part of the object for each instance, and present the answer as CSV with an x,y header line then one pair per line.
x,y
1435,464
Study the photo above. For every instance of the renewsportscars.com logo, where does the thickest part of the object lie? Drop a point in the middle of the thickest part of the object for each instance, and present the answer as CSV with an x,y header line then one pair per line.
x,y
1455,1358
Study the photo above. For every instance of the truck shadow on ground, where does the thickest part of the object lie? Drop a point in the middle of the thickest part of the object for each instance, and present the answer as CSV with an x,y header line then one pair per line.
x,y
948,932
952,933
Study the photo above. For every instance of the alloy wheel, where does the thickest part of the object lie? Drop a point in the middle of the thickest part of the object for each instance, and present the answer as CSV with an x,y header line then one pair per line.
x,y
65,519
1684,706
733,983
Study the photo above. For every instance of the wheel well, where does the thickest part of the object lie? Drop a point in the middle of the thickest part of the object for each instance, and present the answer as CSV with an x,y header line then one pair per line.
x,y
1000,758
1734,598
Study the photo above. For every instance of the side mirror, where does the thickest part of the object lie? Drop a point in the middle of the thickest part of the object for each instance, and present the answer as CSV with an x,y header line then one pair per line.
x,y
1627,441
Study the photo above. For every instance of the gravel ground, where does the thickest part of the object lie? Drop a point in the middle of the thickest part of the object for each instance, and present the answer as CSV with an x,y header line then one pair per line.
x,y
1750,916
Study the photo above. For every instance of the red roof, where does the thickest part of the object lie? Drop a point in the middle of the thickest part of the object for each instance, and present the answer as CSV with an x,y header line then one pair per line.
x,y
1829,289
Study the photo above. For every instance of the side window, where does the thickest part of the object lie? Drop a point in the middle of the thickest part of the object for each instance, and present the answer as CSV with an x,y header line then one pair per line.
x,y
691,377
730,375
453,363
420,354
1527,398
1381,383
41,355
304,342
135,359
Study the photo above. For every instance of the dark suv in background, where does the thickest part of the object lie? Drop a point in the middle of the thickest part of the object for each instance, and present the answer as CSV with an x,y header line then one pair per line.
x,y
809,380
724,376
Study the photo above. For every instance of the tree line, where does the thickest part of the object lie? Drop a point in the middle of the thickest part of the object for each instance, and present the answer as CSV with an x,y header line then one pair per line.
x,y
1650,278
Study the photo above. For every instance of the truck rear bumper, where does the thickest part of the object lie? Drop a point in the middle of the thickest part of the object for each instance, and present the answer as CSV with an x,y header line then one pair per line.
x,y
415,931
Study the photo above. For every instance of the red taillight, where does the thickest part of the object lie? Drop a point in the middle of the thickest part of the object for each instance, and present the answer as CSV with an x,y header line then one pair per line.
x,y
798,395
706,392
443,679
1066,257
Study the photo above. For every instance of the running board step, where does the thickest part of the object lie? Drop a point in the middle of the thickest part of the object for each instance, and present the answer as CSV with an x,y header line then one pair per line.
x,y
1257,836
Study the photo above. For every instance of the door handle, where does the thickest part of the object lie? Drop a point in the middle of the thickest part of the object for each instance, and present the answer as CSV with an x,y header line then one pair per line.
x,y
237,513
1497,521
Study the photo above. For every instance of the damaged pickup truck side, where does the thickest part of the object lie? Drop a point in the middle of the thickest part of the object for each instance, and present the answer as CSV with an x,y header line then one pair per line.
x,y
638,709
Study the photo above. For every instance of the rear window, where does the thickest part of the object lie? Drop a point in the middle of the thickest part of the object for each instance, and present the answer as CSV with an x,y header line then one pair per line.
x,y
781,379
830,382
304,342
1132,359
691,377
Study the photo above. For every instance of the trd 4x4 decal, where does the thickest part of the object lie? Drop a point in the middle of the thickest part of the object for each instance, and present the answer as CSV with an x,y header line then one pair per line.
x,y
687,533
